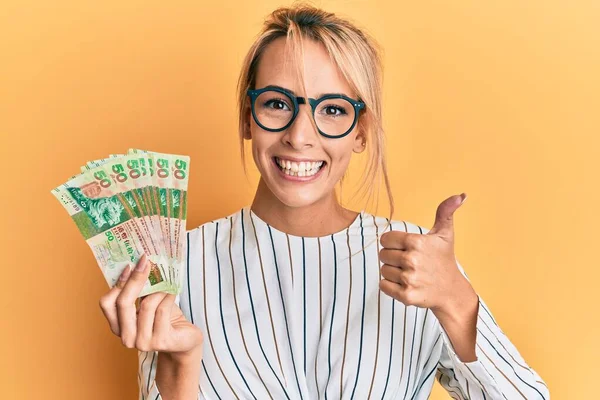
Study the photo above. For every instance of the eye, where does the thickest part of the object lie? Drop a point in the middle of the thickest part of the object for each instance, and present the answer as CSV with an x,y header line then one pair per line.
x,y
334,110
277,104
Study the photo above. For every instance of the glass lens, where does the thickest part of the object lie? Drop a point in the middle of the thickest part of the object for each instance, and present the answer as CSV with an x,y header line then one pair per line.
x,y
334,116
273,109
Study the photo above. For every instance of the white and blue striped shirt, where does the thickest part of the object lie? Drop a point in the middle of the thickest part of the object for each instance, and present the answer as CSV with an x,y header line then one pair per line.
x,y
291,317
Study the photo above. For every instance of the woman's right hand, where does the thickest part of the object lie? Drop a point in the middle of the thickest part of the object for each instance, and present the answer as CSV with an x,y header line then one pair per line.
x,y
158,325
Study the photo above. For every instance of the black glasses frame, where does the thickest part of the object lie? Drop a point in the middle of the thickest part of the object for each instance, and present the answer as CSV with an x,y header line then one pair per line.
x,y
254,93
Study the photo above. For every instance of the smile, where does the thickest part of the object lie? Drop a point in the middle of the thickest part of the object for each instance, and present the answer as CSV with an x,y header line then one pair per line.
x,y
299,172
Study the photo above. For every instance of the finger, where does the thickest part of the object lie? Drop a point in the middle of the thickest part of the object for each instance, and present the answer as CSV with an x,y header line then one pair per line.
x,y
162,320
407,296
391,256
393,274
136,281
126,302
444,216
408,260
123,278
395,240
146,318
108,301
393,290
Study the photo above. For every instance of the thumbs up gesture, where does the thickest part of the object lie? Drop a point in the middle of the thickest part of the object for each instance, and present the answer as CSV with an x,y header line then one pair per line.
x,y
421,269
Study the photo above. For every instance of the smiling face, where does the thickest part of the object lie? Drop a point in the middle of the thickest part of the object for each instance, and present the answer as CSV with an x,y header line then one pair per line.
x,y
301,140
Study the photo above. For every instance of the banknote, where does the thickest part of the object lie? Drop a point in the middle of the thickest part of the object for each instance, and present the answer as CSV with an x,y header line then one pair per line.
x,y
125,205
171,173
128,171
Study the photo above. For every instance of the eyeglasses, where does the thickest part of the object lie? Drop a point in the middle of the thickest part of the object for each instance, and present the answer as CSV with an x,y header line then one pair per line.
x,y
275,109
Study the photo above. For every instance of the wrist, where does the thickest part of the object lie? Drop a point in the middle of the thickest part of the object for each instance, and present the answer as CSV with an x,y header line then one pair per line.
x,y
177,374
183,358
460,307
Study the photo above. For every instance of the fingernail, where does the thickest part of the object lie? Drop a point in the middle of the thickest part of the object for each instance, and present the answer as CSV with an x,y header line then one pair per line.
x,y
141,265
126,272
464,196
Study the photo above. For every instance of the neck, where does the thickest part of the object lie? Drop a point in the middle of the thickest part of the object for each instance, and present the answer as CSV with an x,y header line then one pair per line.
x,y
321,218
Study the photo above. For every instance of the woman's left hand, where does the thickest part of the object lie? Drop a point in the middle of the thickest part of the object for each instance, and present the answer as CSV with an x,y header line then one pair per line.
x,y
421,269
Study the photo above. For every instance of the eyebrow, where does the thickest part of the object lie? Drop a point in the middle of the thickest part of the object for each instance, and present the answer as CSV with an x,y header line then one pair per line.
x,y
290,91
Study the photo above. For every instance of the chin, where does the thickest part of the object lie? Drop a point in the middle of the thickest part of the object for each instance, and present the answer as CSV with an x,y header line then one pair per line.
x,y
294,201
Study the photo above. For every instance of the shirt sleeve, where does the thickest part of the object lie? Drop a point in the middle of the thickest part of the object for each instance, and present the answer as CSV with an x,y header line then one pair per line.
x,y
146,373
499,371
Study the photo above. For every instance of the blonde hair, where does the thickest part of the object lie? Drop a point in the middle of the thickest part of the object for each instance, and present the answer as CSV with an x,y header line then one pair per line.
x,y
355,53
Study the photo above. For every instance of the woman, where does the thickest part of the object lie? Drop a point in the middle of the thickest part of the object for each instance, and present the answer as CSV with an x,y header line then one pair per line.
x,y
296,297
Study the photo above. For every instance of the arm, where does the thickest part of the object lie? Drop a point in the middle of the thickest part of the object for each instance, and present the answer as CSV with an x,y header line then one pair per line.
x,y
477,357
178,377
171,376
162,377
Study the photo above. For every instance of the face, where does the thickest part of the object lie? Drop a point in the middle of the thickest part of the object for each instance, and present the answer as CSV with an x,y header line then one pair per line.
x,y
301,140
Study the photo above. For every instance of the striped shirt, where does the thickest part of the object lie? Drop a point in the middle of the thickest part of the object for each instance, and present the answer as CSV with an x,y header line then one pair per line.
x,y
292,317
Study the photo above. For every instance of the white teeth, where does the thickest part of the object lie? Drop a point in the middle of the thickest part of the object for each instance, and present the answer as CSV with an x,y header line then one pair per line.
x,y
303,168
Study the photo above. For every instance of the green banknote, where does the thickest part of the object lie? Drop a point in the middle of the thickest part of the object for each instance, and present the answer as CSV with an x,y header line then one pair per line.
x,y
129,204
171,173
141,178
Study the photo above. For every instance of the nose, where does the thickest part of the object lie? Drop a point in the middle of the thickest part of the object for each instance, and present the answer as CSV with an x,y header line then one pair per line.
x,y
301,133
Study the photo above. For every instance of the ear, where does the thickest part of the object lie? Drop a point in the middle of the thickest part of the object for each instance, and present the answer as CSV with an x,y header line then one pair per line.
x,y
247,133
248,119
360,142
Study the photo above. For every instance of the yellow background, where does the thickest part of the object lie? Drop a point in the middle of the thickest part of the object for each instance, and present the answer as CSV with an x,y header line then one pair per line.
x,y
497,99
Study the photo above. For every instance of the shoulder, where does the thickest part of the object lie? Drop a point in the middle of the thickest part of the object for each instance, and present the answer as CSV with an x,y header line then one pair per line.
x,y
211,225
382,223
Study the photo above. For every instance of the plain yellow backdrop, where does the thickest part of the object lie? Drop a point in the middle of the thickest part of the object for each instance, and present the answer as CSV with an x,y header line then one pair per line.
x,y
498,99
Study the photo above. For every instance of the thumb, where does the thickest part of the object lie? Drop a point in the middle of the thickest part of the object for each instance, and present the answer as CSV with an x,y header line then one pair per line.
x,y
444,216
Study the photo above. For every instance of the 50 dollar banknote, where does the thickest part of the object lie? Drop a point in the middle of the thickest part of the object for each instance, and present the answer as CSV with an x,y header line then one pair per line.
x,y
127,205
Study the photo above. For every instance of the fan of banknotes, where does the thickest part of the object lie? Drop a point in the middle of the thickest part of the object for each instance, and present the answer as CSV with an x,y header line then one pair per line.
x,y
129,204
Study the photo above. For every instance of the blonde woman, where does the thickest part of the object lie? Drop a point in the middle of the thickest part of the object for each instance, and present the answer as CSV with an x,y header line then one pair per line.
x,y
296,297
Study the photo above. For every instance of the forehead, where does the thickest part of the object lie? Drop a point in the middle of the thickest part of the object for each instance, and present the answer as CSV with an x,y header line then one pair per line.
x,y
321,74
